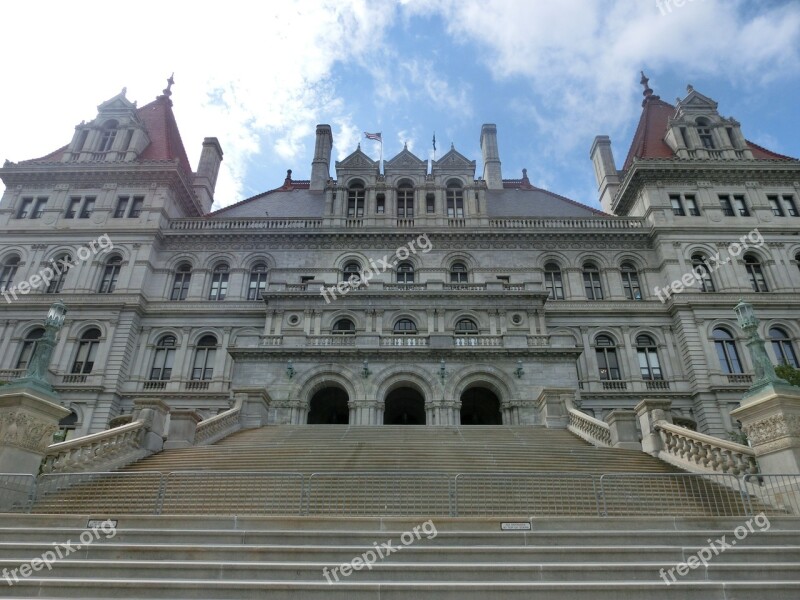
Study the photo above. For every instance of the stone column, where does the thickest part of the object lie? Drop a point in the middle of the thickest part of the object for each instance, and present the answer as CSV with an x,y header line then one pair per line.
x,y
649,412
28,420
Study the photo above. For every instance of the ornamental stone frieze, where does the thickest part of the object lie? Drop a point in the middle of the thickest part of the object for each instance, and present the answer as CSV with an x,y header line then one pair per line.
x,y
19,429
774,433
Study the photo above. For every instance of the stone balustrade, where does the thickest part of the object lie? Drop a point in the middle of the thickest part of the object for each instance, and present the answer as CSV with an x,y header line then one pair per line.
x,y
219,426
101,451
698,453
588,428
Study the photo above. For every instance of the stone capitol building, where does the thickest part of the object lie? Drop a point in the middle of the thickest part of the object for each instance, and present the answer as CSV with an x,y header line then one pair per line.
x,y
423,292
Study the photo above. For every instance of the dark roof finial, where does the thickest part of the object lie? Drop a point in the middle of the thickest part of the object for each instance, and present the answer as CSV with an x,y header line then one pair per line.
x,y
645,81
170,83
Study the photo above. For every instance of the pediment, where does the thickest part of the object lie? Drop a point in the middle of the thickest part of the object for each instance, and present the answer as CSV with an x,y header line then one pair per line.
x,y
454,160
118,103
357,160
406,160
695,102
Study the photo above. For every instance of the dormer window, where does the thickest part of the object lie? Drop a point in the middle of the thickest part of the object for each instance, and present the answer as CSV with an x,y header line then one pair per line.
x,y
108,136
704,131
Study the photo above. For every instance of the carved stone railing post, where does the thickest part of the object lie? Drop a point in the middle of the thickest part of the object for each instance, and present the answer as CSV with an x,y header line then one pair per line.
x,y
553,406
771,419
28,420
154,413
649,412
182,429
622,424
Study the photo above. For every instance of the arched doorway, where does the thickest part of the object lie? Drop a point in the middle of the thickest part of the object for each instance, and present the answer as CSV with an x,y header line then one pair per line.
x,y
404,406
329,407
480,406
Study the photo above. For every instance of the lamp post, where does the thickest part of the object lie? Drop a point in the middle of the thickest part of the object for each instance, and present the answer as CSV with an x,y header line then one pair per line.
x,y
38,365
764,371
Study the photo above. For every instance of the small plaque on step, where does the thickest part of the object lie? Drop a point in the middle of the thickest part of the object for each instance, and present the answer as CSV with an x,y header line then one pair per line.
x,y
101,523
515,526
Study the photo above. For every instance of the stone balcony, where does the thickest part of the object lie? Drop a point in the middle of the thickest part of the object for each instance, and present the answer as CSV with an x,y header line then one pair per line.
x,y
439,341
633,386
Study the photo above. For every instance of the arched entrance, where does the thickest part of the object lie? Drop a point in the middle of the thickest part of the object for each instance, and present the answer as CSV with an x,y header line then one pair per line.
x,y
404,406
480,406
329,407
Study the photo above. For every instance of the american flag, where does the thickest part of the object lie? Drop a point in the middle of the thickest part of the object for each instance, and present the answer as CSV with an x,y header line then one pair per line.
x,y
374,136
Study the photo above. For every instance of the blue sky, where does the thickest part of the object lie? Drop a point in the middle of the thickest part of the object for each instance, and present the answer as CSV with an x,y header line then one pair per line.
x,y
550,74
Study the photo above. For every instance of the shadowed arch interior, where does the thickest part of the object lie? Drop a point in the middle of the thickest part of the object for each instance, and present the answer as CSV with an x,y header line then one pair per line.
x,y
404,406
329,407
480,406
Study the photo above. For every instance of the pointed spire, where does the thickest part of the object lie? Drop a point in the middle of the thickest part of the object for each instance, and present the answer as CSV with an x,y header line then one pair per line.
x,y
170,83
648,92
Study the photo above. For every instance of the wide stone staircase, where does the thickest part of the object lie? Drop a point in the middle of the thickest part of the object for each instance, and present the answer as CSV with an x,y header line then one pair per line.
x,y
151,557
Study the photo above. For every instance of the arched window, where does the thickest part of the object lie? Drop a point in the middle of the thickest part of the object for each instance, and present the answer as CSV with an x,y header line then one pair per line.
x,y
704,131
796,259
591,282
459,273
204,356
258,281
352,272
553,282
782,347
756,273
355,199
29,347
607,363
344,327
405,327
727,352
61,266
465,328
630,282
108,136
405,200
700,266
180,285
164,358
87,352
110,275
405,273
455,199
7,272
648,357
219,282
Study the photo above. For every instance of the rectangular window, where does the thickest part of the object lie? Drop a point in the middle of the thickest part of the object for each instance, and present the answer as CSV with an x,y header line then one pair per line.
x,y
88,208
38,208
791,206
380,207
740,206
691,205
430,204
727,207
72,209
122,206
25,208
136,207
677,205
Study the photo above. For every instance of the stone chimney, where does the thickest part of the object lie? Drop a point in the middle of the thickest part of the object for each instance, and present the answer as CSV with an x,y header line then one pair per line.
x,y
205,179
605,171
321,165
491,157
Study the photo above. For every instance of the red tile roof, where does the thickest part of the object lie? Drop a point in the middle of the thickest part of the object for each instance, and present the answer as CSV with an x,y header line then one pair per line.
x,y
648,141
162,128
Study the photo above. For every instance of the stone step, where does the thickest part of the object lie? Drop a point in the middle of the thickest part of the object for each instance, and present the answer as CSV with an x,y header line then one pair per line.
x,y
89,588
388,571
